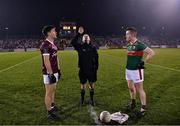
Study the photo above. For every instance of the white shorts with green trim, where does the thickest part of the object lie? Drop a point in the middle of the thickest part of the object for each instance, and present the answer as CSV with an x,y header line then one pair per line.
x,y
137,76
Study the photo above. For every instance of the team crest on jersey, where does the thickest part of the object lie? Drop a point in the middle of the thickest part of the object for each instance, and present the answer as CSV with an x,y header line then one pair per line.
x,y
54,54
134,47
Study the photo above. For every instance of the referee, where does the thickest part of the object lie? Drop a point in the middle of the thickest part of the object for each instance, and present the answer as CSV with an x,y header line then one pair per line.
x,y
88,63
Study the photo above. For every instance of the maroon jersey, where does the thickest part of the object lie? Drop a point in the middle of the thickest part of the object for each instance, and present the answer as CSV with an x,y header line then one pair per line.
x,y
48,48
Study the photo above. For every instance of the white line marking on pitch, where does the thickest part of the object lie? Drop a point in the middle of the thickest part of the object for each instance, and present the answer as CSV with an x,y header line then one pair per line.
x,y
155,65
8,68
6,53
163,67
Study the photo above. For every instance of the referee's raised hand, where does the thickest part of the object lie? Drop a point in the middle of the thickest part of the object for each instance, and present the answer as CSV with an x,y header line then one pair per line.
x,y
81,30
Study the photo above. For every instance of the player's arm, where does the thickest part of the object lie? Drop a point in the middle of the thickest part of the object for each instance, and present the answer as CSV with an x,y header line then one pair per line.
x,y
58,63
47,63
150,53
59,71
74,42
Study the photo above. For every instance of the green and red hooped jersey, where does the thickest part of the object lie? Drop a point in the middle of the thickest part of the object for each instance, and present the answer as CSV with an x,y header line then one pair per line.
x,y
135,54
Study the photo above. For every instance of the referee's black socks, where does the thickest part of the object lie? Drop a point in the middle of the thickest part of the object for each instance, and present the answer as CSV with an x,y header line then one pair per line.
x,y
91,92
82,94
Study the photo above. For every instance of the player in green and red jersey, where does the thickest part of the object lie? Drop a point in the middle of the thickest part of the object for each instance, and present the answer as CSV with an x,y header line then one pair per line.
x,y
135,67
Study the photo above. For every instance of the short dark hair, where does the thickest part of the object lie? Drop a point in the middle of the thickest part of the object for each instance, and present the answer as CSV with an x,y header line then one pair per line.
x,y
47,29
131,29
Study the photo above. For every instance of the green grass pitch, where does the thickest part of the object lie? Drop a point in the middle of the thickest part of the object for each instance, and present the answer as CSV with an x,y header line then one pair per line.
x,y
22,89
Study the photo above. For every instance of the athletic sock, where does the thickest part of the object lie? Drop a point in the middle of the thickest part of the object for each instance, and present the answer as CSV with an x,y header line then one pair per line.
x,y
91,93
143,107
133,101
133,104
82,94
52,104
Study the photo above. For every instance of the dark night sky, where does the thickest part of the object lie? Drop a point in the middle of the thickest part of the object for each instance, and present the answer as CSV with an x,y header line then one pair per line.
x,y
100,17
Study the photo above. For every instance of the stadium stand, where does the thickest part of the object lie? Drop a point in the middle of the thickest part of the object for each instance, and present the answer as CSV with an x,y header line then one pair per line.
x,y
98,41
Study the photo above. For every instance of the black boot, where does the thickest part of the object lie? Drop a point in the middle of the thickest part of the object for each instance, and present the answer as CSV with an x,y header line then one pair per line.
x,y
142,113
52,116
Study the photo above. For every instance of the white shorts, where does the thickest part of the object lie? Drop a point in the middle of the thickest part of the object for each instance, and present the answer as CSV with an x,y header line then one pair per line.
x,y
136,76
46,78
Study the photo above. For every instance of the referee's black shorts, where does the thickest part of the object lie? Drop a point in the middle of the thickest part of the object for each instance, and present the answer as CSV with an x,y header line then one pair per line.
x,y
91,77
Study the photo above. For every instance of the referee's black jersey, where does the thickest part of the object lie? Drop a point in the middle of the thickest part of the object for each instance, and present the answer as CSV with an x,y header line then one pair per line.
x,y
88,55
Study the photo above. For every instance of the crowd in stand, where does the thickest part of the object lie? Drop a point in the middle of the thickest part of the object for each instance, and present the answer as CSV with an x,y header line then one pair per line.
x,y
20,43
98,41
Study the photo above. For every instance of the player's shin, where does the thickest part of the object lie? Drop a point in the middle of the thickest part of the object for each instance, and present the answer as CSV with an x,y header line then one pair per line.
x,y
133,99
53,96
132,103
142,94
132,92
143,97
48,100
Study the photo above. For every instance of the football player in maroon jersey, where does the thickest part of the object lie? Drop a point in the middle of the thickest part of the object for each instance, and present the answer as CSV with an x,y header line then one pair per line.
x,y
50,69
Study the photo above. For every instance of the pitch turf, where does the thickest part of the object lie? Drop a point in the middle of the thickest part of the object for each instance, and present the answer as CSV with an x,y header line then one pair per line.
x,y
22,90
